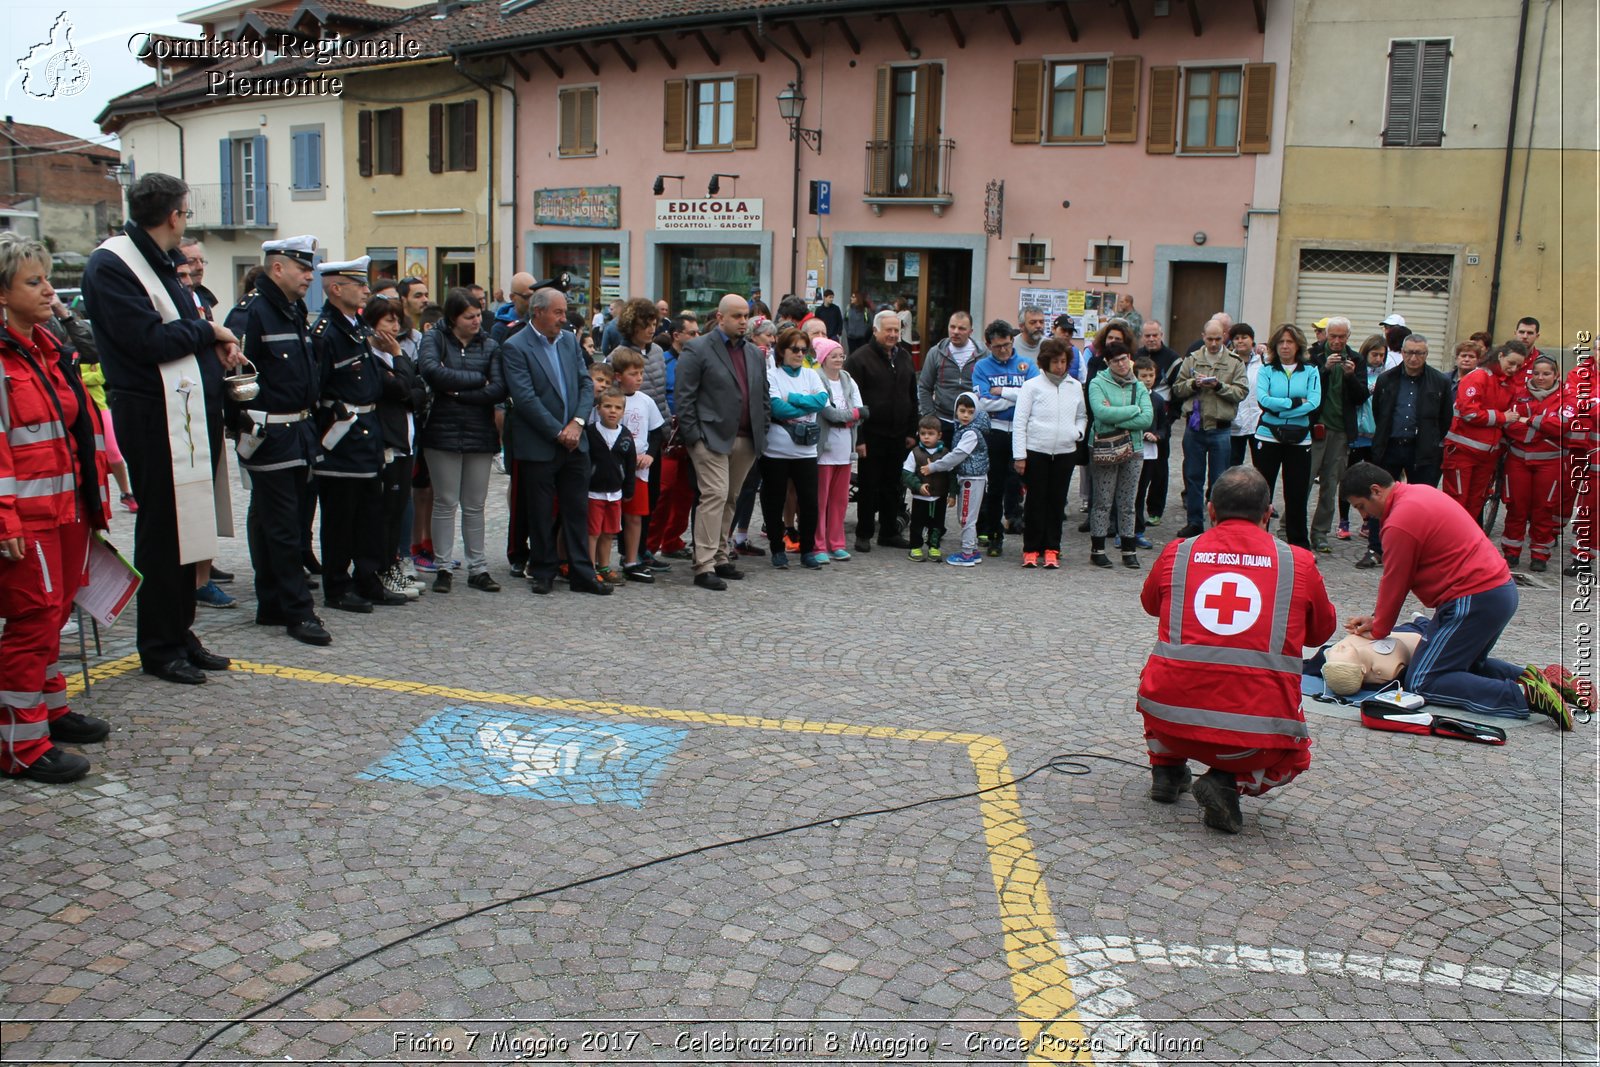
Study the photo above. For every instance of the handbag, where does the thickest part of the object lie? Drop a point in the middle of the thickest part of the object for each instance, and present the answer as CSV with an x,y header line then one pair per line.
x,y
803,433
1289,435
1111,449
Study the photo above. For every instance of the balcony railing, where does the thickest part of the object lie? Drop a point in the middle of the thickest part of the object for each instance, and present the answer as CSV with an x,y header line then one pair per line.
x,y
234,206
909,172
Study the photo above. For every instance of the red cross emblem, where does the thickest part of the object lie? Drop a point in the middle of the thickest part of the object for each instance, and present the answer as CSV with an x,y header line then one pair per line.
x,y
1227,603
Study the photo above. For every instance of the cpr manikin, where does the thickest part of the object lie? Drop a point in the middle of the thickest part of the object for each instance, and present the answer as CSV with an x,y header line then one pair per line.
x,y
1357,663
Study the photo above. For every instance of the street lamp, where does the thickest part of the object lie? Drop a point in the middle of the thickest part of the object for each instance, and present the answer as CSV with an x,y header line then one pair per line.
x,y
791,104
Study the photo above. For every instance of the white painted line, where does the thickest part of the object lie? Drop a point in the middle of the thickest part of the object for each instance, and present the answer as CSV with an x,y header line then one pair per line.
x,y
1094,958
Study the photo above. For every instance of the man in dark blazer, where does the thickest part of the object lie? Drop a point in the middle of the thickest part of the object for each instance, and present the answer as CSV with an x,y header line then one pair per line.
x,y
721,395
552,399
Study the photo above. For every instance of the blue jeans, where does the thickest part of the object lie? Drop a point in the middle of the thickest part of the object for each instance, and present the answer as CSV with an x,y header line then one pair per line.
x,y
1452,664
1203,448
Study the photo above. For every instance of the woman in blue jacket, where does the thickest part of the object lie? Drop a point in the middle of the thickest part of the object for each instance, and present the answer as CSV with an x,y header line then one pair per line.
x,y
1289,390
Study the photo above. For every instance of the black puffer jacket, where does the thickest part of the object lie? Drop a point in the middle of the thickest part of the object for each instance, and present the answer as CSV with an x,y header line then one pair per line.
x,y
467,384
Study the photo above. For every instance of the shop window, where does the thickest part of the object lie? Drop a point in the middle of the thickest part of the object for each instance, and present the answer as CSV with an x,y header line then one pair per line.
x,y
378,135
1107,261
1419,73
1031,259
576,116
453,136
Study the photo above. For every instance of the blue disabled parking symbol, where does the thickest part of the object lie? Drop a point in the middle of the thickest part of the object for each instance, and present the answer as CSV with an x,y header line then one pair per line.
x,y
547,758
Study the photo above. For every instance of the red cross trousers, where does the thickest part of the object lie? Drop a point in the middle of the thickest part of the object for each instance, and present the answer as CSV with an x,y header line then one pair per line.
x,y
1227,603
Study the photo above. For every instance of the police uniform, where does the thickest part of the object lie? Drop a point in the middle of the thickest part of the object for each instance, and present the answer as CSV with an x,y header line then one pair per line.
x,y
350,455
278,441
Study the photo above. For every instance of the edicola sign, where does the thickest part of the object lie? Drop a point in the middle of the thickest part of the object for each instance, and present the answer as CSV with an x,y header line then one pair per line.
x,y
714,213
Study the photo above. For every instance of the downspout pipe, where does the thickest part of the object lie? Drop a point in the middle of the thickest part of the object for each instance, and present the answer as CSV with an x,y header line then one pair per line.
x,y
182,168
794,201
1505,176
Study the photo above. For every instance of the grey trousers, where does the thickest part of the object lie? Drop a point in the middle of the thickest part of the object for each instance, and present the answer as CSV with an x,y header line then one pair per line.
x,y
460,481
1115,486
1329,457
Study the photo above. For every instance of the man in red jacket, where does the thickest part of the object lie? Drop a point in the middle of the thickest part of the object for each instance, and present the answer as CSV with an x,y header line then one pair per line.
x,y
1223,684
1439,553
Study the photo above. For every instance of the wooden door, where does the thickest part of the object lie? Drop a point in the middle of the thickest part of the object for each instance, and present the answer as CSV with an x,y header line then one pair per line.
x,y
1197,292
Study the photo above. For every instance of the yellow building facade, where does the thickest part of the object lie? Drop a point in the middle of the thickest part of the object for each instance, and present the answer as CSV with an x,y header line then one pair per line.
x,y
420,159
1394,180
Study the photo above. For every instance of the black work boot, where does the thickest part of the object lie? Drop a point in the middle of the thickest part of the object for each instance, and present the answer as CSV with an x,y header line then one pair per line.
x,y
1218,796
1167,782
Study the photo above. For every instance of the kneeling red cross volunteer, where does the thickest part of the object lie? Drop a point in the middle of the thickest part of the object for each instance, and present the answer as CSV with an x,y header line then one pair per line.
x,y
1235,607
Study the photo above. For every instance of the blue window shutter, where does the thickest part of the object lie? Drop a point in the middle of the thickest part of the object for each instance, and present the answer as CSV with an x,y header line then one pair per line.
x,y
297,161
314,159
263,208
226,174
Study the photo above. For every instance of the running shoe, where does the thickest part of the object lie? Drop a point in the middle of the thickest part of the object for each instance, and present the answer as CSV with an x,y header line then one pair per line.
x,y
1543,698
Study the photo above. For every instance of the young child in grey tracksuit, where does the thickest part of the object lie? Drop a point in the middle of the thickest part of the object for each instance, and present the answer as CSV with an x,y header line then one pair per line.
x,y
969,459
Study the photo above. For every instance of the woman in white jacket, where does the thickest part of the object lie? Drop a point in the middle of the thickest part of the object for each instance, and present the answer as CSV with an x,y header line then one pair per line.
x,y
1242,339
1046,431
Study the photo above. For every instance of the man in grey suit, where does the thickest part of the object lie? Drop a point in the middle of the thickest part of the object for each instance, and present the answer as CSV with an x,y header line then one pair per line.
x,y
552,400
721,395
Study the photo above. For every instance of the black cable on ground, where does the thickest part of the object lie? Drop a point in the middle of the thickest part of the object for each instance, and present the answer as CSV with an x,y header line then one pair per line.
x,y
1064,763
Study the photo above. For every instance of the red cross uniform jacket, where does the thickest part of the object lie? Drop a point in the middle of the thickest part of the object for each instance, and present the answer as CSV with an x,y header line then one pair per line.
x,y
1234,608
52,452
1482,400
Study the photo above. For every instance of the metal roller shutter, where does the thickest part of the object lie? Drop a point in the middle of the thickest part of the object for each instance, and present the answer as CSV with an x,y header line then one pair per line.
x,y
1366,287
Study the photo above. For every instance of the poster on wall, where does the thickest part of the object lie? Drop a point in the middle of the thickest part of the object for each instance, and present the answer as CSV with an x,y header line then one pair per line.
x,y
417,263
891,269
1052,302
913,264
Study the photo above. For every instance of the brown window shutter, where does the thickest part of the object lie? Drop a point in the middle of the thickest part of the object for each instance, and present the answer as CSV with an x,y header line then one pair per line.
x,y
588,131
436,138
882,148
1027,109
930,97
470,148
568,144
397,139
1161,136
675,120
364,143
744,110
1122,100
1255,124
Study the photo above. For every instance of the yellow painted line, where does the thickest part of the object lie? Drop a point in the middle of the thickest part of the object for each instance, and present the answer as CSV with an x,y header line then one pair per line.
x,y
1046,1008
100,672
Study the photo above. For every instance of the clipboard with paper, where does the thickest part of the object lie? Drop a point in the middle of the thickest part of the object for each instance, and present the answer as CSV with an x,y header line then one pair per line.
x,y
112,581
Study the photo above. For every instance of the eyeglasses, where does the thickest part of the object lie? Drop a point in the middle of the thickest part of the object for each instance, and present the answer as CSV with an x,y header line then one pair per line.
x,y
186,213
797,348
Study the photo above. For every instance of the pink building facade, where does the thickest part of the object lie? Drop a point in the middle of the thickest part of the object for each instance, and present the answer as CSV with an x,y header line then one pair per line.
x,y
976,157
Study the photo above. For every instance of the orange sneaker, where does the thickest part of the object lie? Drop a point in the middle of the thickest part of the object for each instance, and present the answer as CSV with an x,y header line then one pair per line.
x,y
1052,560
1030,559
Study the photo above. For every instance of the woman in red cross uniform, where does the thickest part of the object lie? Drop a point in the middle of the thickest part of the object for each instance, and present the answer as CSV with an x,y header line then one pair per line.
x,y
52,493
1235,607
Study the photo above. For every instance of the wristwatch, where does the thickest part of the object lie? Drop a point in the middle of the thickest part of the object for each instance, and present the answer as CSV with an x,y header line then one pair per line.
x,y
577,419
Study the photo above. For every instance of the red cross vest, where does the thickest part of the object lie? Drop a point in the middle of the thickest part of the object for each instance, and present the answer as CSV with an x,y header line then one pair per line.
x,y
1226,668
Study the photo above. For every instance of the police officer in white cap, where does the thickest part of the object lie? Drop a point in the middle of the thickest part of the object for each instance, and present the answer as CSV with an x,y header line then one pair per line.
x,y
350,459
278,440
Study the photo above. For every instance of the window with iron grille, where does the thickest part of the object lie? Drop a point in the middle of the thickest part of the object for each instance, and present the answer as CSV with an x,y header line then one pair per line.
x,y
1107,261
1030,259
1336,261
1417,273
1419,75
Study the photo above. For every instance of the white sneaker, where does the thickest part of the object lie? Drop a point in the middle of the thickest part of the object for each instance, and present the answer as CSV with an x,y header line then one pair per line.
x,y
71,628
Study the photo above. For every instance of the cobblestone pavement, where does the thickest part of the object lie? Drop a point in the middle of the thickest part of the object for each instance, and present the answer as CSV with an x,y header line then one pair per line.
x,y
1408,900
